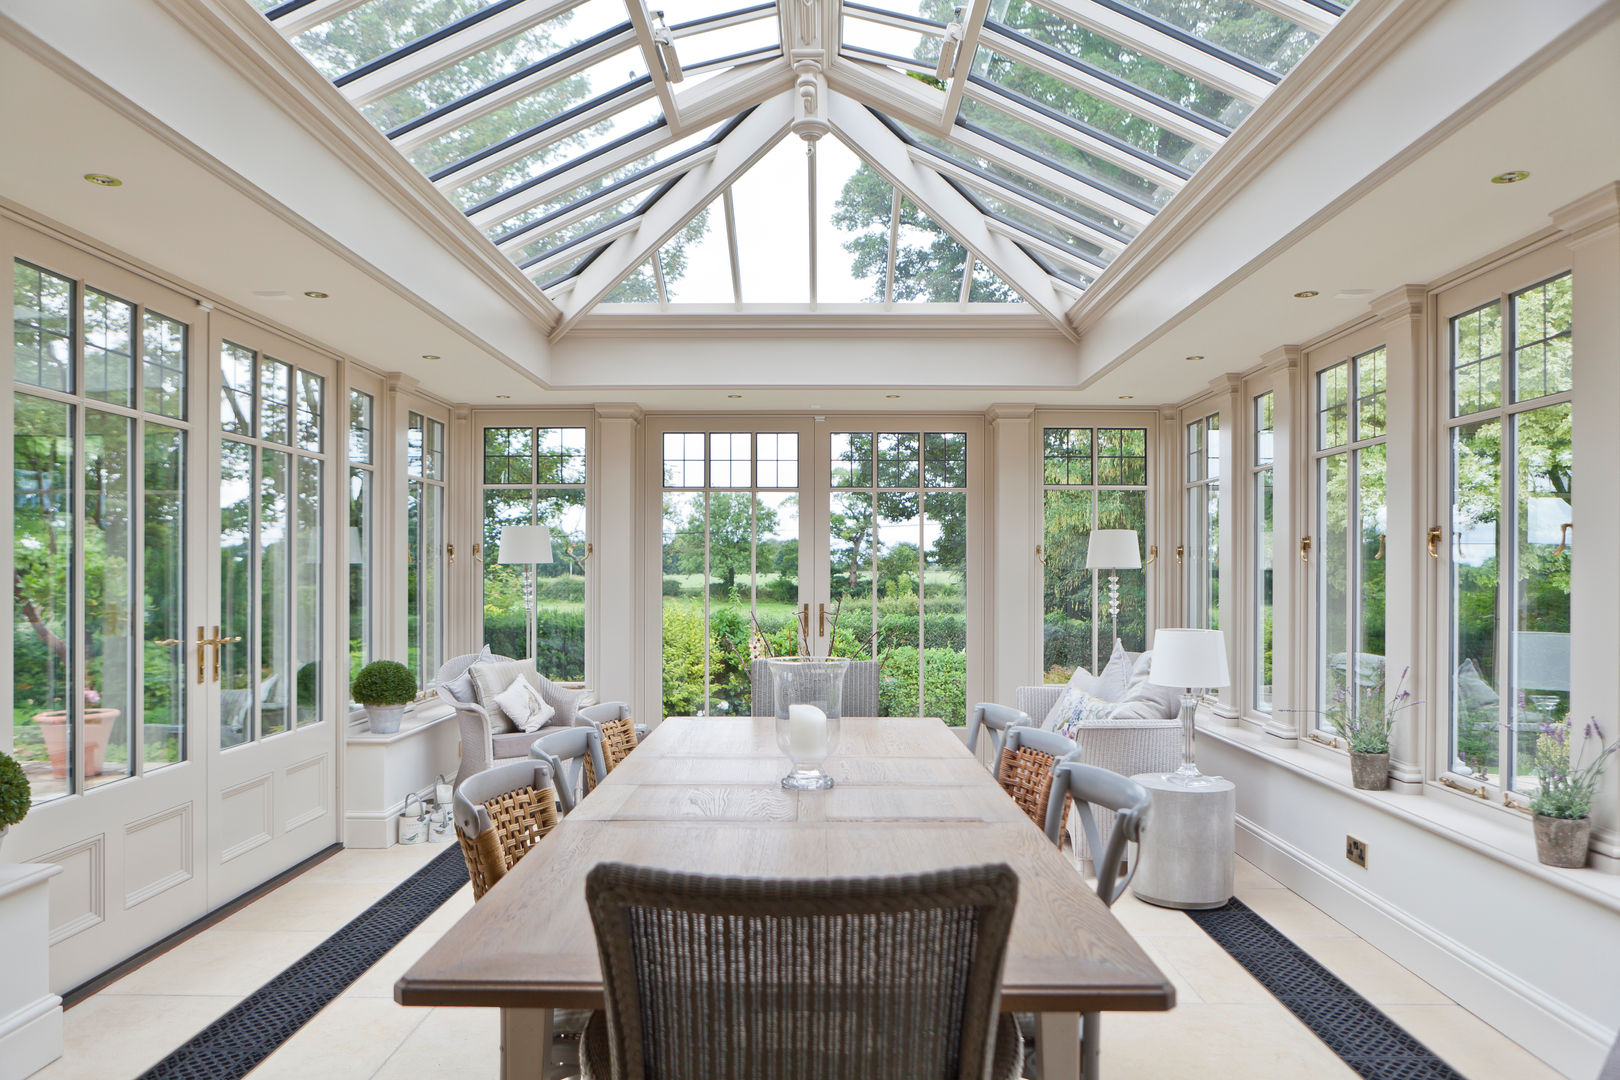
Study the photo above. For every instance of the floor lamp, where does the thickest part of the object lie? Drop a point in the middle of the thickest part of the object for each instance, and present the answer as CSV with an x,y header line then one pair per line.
x,y
1113,550
526,545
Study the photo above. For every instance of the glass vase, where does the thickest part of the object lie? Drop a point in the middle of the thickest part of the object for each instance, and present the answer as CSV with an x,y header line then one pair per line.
x,y
809,694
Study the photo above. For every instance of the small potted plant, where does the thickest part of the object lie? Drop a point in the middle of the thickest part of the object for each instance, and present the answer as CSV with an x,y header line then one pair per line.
x,y
1364,719
1563,801
384,687
15,794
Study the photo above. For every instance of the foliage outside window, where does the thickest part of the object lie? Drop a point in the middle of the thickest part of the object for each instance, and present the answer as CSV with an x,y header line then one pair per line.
x,y
536,476
1091,479
1512,471
424,546
730,563
361,550
898,564
98,490
1265,541
1203,544
1351,514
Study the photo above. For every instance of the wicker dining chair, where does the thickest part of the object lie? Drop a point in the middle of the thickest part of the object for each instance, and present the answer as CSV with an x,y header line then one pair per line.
x,y
988,716
1025,771
619,735
500,814
717,978
574,754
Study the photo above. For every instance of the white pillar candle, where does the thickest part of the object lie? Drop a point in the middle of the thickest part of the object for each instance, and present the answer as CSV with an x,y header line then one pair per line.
x,y
807,731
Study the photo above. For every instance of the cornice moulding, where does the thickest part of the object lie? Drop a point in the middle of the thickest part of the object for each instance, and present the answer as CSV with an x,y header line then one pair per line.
x,y
619,410
997,413
1589,212
1403,302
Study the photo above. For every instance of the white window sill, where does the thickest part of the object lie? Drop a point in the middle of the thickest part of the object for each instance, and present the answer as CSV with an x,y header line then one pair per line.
x,y
419,718
1501,835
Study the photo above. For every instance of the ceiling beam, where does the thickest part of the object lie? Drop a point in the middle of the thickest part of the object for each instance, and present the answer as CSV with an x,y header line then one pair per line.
x,y
888,91
749,141
929,191
724,96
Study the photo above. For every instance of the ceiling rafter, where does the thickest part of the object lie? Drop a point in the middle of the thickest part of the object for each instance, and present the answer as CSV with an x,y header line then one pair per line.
x,y
597,201
1008,194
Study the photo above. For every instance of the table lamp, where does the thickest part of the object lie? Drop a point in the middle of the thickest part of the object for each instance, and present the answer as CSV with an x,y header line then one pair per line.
x,y
1194,660
526,545
1115,550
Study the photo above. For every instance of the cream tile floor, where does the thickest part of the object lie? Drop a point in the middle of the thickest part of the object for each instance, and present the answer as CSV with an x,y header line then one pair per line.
x,y
1224,1024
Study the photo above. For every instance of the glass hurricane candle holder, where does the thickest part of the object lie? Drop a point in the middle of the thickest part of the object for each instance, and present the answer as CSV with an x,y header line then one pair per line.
x,y
809,692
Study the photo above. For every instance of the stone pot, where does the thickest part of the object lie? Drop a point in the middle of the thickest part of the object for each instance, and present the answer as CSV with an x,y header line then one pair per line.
x,y
1562,841
384,719
1370,772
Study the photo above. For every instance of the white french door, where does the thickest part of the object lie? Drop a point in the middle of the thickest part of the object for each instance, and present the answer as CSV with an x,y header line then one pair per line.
x,y
262,655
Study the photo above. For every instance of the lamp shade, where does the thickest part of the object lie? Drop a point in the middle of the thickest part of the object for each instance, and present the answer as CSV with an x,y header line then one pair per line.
x,y
1190,658
1113,549
525,544
1543,660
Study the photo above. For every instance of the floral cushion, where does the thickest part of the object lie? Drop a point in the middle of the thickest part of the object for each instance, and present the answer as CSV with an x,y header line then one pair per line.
x,y
1074,710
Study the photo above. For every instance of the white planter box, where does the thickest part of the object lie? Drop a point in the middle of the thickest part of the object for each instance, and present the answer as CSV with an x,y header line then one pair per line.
x,y
30,1015
379,771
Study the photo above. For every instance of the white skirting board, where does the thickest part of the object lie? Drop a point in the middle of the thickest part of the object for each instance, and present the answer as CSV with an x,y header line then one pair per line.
x,y
1560,1035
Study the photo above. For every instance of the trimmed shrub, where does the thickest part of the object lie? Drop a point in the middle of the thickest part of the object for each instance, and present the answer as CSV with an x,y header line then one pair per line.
x,y
945,672
15,794
384,682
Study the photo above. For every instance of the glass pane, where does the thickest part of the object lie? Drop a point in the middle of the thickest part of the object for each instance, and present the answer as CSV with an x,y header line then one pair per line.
x,y
424,523
896,568
236,547
1476,360
1067,456
109,349
1123,510
729,459
307,597
683,459
897,460
413,444
360,427
849,557
685,615
1122,456
163,366
238,397
851,459
508,456
110,678
433,450
163,714
778,460
360,548
1334,679
43,480
1246,29
772,206
1265,563
275,688
1370,393
1265,428
697,263
561,454
311,396
1369,553
374,29
945,459
1067,587
776,571
41,328
852,239
1475,511
560,586
944,630
730,580
928,262
1212,555
1332,406
1544,489
1542,342
275,401
505,613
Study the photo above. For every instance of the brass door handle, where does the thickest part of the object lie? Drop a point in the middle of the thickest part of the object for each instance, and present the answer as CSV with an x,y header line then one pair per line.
x,y
450,551
821,620
804,624
1039,556
201,641
167,641
1380,554
1181,553
1153,556
1435,533
217,642
1305,549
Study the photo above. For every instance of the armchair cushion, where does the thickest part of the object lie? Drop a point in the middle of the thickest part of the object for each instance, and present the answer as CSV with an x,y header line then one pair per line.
x,y
461,688
566,700
490,679
1147,700
1074,710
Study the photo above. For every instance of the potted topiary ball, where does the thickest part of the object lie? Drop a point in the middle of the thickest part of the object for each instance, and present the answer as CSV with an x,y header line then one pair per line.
x,y
15,794
384,687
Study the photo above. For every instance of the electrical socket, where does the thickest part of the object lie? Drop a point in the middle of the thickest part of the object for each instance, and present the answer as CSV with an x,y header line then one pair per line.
x,y
1356,851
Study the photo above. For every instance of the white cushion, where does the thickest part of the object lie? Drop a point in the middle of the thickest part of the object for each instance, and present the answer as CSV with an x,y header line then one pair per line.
x,y
523,705
1083,680
492,677
461,688
1145,700
1114,681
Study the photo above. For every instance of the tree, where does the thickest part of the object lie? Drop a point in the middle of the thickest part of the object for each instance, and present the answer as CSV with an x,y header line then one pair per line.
x,y
730,528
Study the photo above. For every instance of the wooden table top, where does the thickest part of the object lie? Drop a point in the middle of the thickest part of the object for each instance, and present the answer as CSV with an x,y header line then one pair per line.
x,y
702,795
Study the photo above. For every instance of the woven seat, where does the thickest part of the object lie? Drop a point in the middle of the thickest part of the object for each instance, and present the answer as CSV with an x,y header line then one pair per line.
x,y
1025,772
822,979
500,814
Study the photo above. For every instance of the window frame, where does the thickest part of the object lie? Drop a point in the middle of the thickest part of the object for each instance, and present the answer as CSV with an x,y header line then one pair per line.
x,y
429,411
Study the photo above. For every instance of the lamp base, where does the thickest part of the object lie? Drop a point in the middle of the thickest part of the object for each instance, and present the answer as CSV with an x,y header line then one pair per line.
x,y
1188,775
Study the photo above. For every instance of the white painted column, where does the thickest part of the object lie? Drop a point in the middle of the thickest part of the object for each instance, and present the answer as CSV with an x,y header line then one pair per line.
x,y
1593,226
613,661
464,527
389,518
1409,586
1168,463
1233,596
1289,444
1017,645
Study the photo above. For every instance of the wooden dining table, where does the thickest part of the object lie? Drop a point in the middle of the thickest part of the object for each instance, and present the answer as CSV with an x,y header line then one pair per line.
x,y
702,794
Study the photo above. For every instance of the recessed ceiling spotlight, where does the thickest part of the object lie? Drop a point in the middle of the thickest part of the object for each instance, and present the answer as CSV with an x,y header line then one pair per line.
x,y
316,294
430,356
1306,294
503,397
733,396
103,180
1195,357
1127,397
1500,178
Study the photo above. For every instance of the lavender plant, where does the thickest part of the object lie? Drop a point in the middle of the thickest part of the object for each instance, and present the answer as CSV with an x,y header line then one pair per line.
x,y
1565,792
1365,717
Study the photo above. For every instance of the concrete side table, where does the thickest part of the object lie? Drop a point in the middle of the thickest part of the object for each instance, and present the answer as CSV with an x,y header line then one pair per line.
x,y
1186,850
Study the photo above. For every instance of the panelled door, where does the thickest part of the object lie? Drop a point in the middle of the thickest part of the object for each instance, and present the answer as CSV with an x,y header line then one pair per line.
x,y
262,654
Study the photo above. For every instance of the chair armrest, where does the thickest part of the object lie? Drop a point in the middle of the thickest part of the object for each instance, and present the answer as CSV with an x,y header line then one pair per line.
x,y
477,744
1039,700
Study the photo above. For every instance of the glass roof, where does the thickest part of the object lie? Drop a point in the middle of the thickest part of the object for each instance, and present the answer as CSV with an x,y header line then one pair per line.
x,y
1049,132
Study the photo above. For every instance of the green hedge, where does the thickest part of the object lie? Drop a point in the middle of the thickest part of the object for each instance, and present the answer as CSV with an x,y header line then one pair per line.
x,y
561,635
946,696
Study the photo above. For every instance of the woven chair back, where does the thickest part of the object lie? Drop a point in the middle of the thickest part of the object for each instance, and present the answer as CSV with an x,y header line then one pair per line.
x,y
618,739
503,824
713,978
1026,774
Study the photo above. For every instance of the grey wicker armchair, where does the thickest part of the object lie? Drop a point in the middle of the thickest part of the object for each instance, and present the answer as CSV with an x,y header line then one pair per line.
x,y
860,689
750,979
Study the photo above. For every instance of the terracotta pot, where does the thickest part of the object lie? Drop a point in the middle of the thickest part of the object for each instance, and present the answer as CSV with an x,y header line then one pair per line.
x,y
98,728
1562,841
1370,772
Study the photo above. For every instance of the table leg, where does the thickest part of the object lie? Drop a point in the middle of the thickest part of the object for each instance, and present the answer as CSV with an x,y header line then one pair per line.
x,y
1057,1035
525,1044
